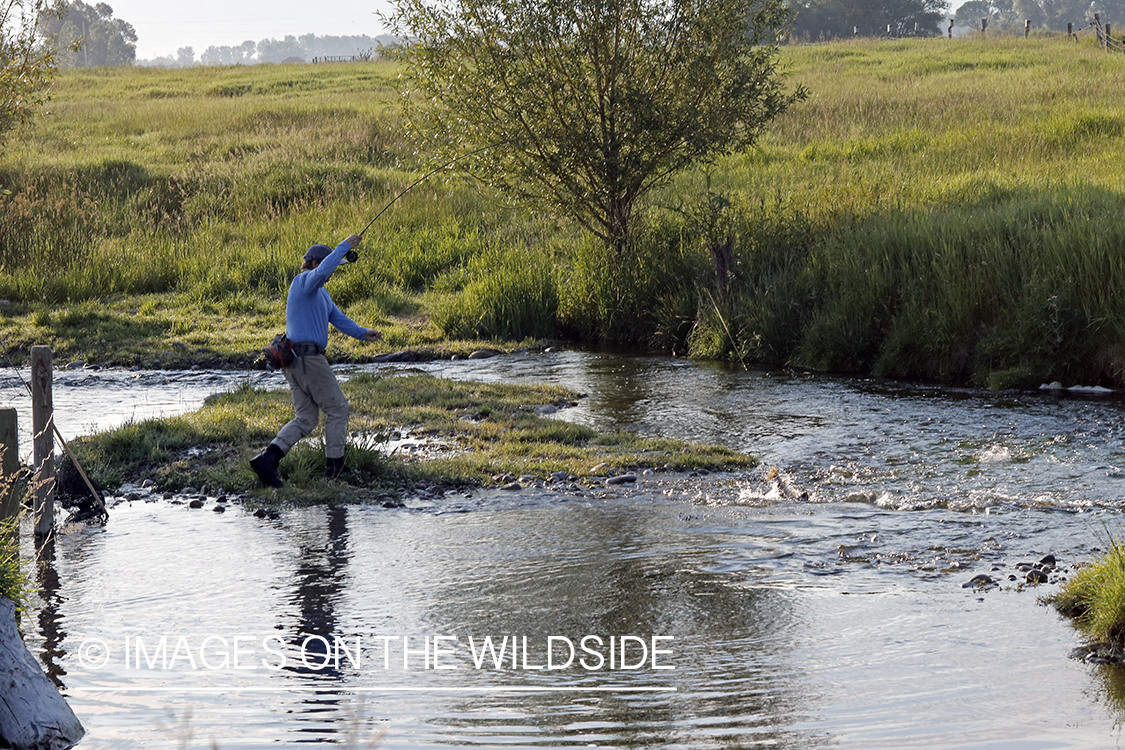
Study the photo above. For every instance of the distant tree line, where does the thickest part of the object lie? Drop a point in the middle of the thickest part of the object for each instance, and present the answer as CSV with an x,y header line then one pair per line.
x,y
821,20
88,35
1043,14
305,48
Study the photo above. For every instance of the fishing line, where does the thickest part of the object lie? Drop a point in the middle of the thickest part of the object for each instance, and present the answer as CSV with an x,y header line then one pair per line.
x,y
431,173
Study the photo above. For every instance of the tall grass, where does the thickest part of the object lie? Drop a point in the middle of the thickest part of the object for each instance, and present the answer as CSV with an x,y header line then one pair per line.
x,y
1095,597
937,209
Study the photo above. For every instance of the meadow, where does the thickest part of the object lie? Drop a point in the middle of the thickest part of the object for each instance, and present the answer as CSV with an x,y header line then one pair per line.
x,y
936,209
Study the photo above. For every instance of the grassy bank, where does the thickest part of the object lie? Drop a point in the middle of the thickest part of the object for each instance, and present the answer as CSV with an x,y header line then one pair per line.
x,y
471,433
938,209
1095,598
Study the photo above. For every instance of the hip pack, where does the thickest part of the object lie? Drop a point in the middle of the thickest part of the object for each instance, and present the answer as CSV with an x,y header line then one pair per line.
x,y
279,352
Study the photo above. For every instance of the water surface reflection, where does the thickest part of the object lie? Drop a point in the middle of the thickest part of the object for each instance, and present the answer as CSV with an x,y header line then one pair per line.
x,y
838,621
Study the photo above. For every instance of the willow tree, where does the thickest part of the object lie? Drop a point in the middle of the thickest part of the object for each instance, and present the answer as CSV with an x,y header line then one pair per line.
x,y
26,64
585,105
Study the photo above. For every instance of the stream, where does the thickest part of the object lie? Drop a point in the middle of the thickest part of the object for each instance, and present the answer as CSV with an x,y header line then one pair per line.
x,y
820,600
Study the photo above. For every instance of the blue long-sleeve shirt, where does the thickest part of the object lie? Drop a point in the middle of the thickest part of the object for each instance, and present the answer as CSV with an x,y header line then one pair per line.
x,y
309,308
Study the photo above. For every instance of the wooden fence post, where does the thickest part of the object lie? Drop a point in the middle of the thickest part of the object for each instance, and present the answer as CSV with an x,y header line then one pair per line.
x,y
43,439
9,463
983,25
950,28
1026,28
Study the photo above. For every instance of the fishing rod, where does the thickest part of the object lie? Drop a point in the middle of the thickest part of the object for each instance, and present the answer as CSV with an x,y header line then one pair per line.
x,y
430,174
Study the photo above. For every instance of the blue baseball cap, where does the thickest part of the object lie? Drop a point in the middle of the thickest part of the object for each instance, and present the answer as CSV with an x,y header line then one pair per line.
x,y
318,252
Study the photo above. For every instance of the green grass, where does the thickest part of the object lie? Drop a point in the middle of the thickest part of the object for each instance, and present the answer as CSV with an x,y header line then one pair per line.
x,y
937,209
488,430
12,582
1095,598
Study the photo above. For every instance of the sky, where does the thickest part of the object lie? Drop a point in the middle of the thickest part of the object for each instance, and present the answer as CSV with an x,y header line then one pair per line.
x,y
164,27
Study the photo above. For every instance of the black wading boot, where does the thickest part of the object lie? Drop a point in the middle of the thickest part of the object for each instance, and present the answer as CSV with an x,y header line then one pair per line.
x,y
333,467
265,465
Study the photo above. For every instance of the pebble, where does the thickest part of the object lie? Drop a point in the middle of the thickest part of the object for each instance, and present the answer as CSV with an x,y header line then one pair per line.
x,y
1036,576
512,486
621,479
981,580
195,503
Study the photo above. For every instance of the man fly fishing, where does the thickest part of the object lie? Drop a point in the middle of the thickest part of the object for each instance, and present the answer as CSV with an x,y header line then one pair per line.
x,y
309,310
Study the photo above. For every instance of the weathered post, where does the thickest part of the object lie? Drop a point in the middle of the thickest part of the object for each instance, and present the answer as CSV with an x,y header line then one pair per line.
x,y
1026,28
983,25
43,439
1108,39
9,463
950,28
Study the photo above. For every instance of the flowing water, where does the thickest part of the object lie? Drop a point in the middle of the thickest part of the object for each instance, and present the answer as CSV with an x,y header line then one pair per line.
x,y
818,601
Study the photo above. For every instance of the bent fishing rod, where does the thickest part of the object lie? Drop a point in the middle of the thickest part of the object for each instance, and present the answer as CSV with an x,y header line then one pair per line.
x,y
431,173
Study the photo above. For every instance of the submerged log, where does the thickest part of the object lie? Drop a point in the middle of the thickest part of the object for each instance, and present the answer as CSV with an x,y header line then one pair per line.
x,y
33,714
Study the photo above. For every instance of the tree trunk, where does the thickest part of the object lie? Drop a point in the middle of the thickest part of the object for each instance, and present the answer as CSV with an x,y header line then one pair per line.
x,y
33,715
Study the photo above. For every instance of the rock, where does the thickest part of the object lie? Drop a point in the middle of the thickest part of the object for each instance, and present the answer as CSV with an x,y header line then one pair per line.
x,y
621,479
32,712
406,355
601,468
75,365
546,409
1049,561
559,476
979,581
483,354
197,503
512,486
220,509
189,491
1036,576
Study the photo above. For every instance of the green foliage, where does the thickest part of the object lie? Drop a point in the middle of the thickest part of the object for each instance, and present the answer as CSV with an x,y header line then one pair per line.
x,y
26,66
969,235
585,107
507,294
1095,597
12,582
